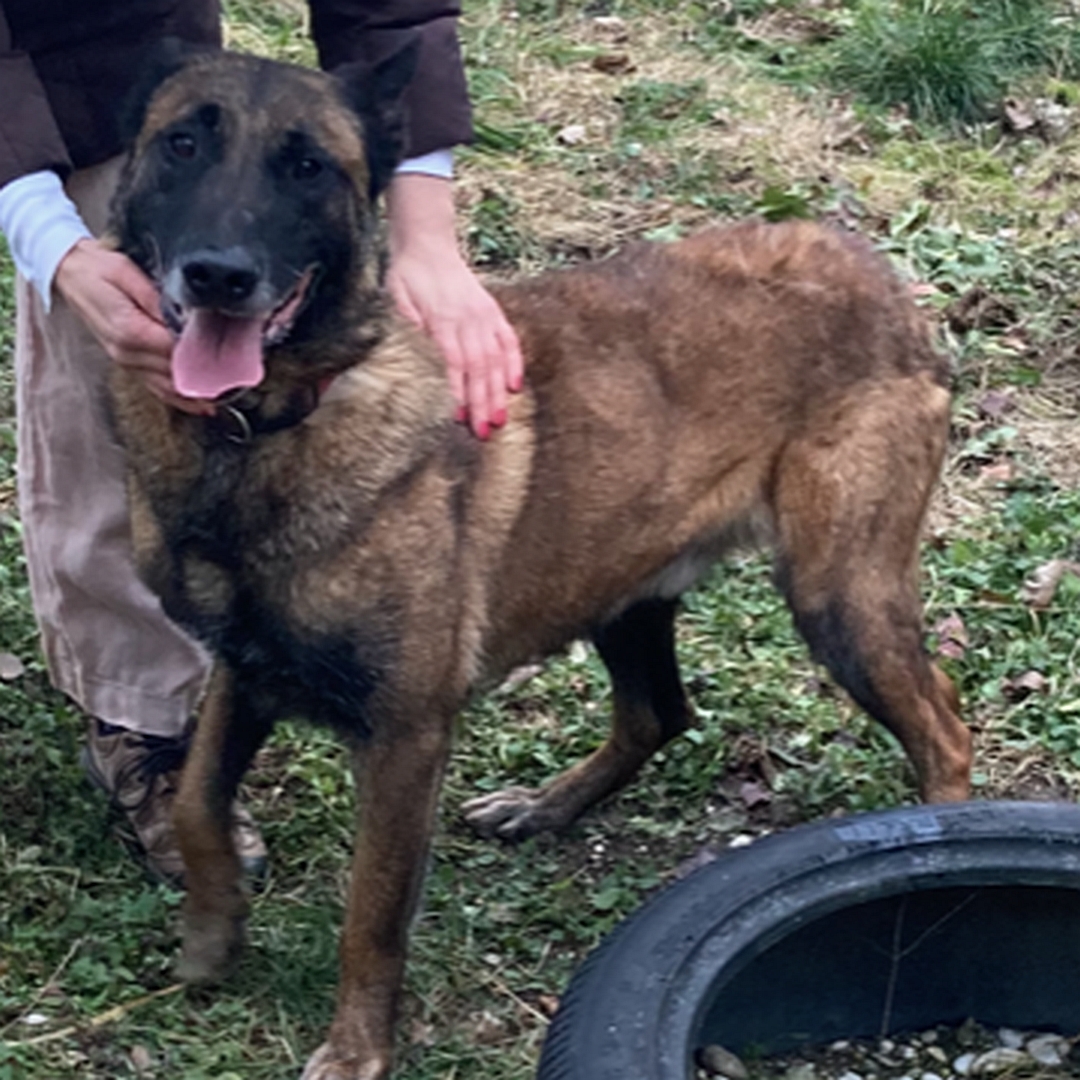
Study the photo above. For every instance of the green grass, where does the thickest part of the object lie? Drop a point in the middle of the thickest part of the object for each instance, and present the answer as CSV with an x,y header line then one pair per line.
x,y
697,127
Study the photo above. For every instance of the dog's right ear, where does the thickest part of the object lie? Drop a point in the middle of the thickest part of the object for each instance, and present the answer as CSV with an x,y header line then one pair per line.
x,y
164,58
376,93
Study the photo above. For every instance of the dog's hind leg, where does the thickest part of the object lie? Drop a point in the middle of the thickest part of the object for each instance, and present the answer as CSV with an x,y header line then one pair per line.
x,y
849,510
215,907
649,708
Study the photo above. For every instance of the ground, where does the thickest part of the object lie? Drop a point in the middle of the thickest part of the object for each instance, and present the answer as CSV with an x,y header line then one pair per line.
x,y
599,123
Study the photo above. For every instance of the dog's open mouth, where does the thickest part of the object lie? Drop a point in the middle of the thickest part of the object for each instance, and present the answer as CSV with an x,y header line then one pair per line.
x,y
217,351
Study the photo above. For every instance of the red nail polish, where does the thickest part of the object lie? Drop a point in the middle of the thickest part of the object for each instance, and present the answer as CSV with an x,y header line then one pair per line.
x,y
482,432
498,418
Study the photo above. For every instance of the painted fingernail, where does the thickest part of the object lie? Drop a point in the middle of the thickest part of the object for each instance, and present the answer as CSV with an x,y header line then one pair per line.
x,y
498,418
516,384
482,431
460,414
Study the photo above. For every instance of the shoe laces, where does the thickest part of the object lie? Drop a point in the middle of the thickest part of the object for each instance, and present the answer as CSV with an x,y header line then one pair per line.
x,y
161,756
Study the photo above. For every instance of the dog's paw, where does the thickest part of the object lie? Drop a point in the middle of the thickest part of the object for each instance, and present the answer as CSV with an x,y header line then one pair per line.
x,y
212,945
327,1064
513,814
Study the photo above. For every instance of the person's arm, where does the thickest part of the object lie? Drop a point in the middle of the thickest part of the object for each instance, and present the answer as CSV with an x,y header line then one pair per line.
x,y
30,139
428,276
434,287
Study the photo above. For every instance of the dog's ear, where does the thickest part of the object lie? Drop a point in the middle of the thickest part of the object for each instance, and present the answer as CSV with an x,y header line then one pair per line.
x,y
164,58
376,93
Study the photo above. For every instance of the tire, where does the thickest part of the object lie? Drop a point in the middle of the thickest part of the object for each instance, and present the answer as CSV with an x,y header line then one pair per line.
x,y
852,927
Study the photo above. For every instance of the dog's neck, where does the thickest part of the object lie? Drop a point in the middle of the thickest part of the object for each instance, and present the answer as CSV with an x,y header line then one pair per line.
x,y
248,414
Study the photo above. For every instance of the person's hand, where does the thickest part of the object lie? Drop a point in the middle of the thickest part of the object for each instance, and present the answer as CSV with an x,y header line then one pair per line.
x,y
119,305
434,288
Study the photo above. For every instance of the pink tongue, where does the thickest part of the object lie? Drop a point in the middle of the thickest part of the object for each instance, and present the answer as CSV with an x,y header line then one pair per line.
x,y
216,353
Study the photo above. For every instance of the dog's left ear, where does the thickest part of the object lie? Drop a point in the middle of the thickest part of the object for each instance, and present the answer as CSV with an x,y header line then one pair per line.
x,y
376,94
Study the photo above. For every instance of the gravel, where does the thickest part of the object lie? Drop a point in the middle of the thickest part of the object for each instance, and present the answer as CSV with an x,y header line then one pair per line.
x,y
968,1051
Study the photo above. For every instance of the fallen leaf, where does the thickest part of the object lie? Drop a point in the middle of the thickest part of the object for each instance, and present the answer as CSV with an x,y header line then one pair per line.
x,y
421,1033
611,27
701,857
1041,585
612,63
994,404
998,472
549,1004
519,676
1031,682
572,134
488,1028
141,1059
952,637
1017,117
11,667
754,794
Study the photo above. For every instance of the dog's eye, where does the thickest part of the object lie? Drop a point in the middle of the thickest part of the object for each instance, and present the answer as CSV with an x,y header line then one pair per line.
x,y
182,145
307,168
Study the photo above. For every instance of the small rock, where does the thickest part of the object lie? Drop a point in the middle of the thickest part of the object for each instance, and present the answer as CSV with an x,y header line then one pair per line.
x,y
717,1061
969,1033
840,1046
1047,1049
804,1070
1010,1037
995,1061
886,1046
35,1019
930,1076
962,1064
937,1054
849,1075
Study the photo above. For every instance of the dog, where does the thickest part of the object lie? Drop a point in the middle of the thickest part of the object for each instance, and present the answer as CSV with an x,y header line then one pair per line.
x,y
353,555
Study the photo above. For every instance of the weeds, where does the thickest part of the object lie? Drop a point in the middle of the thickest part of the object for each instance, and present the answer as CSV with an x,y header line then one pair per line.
x,y
950,61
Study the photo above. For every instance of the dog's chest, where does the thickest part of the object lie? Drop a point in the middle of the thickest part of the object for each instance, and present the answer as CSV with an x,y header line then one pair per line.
x,y
228,580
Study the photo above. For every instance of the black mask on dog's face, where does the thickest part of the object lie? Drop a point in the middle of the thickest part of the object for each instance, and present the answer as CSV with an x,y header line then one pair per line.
x,y
248,199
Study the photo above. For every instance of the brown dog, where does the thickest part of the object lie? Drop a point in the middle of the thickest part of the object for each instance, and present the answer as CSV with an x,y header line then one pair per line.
x,y
355,556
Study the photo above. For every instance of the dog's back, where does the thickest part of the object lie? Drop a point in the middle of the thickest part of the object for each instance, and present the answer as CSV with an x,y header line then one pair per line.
x,y
667,385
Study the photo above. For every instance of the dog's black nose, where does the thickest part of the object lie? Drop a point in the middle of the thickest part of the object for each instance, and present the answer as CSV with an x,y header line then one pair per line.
x,y
219,278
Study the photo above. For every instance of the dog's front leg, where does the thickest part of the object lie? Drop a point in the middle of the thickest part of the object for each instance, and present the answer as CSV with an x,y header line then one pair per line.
x,y
215,907
399,773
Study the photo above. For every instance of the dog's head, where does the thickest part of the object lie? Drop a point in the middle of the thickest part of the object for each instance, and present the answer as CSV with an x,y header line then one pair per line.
x,y
248,198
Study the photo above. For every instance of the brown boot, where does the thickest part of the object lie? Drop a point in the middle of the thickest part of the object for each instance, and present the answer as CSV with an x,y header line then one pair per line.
x,y
140,774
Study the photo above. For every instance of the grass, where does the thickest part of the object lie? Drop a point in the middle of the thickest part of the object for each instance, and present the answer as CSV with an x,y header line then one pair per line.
x,y
704,117
949,61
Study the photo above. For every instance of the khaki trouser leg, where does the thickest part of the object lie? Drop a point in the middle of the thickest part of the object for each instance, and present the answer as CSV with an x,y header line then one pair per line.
x,y
106,640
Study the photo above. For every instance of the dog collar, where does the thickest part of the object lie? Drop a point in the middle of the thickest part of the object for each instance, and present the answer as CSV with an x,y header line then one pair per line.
x,y
240,419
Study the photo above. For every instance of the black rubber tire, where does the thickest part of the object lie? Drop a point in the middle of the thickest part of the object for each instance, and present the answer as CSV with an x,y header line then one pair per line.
x,y
772,945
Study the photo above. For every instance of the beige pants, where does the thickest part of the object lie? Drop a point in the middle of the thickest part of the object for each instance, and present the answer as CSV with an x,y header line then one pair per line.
x,y
107,642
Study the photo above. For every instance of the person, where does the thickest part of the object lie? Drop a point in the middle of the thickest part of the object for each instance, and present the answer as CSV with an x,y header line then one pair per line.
x,y
64,76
